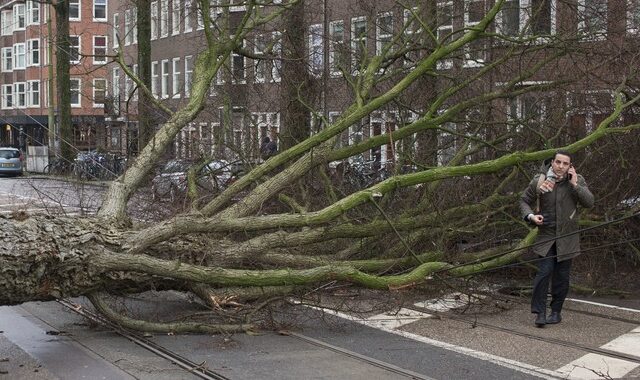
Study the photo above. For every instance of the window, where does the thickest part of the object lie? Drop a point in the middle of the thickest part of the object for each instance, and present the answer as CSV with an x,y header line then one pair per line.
x,y
7,60
6,22
75,92
74,49
633,17
188,68
154,20
316,49
177,78
542,14
7,96
199,16
33,52
474,52
115,89
384,32
154,78
276,67
99,92
508,20
134,25
45,96
358,42
445,30
99,10
175,17
33,96
187,16
260,65
128,35
19,18
337,50
128,87
99,49
135,90
238,67
592,16
33,12
447,143
20,94
74,10
164,18
116,25
19,56
164,83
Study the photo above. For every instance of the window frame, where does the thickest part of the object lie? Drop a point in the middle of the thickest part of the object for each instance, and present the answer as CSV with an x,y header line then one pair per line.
x,y
31,51
336,49
380,33
33,8
7,59
96,89
176,8
79,92
17,17
315,50
95,48
106,11
31,93
154,20
176,75
154,79
79,8
355,42
20,89
164,79
79,50
188,71
17,54
6,22
7,98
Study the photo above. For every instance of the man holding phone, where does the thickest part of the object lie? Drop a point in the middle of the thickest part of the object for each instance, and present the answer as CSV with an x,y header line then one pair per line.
x,y
550,202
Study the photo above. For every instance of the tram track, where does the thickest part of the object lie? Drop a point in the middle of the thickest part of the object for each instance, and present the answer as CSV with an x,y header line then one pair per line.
x,y
203,372
197,369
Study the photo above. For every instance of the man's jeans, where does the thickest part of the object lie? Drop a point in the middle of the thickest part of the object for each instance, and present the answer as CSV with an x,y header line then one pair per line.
x,y
558,272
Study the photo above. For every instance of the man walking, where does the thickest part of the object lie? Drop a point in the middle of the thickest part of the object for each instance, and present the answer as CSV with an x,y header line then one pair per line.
x,y
550,202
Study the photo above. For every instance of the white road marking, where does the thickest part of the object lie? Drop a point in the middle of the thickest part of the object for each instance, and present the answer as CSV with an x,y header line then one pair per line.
x,y
450,301
393,320
594,366
508,363
604,305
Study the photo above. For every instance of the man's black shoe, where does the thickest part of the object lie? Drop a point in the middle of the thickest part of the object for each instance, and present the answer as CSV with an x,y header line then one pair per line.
x,y
540,320
554,318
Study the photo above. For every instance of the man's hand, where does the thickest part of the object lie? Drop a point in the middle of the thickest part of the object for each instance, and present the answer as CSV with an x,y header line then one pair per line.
x,y
573,176
536,219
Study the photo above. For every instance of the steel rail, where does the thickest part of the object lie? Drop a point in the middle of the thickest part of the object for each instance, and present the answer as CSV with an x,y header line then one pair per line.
x,y
197,369
367,359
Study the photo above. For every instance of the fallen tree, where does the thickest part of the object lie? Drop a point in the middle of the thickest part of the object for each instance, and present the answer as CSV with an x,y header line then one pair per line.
x,y
393,233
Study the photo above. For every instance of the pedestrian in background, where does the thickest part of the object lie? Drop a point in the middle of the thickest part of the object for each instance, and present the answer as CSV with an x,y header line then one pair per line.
x,y
550,202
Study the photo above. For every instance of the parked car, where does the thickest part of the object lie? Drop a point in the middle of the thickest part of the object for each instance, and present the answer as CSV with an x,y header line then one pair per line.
x,y
171,181
11,161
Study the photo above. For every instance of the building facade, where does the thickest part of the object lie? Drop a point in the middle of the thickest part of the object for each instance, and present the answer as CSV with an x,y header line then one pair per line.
x,y
315,53
27,54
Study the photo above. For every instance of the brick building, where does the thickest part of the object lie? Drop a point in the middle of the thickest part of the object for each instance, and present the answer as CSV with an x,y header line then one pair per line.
x,y
24,71
333,40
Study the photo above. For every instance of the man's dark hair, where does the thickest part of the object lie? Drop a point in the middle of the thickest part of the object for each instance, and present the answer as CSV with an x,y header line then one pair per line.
x,y
564,153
